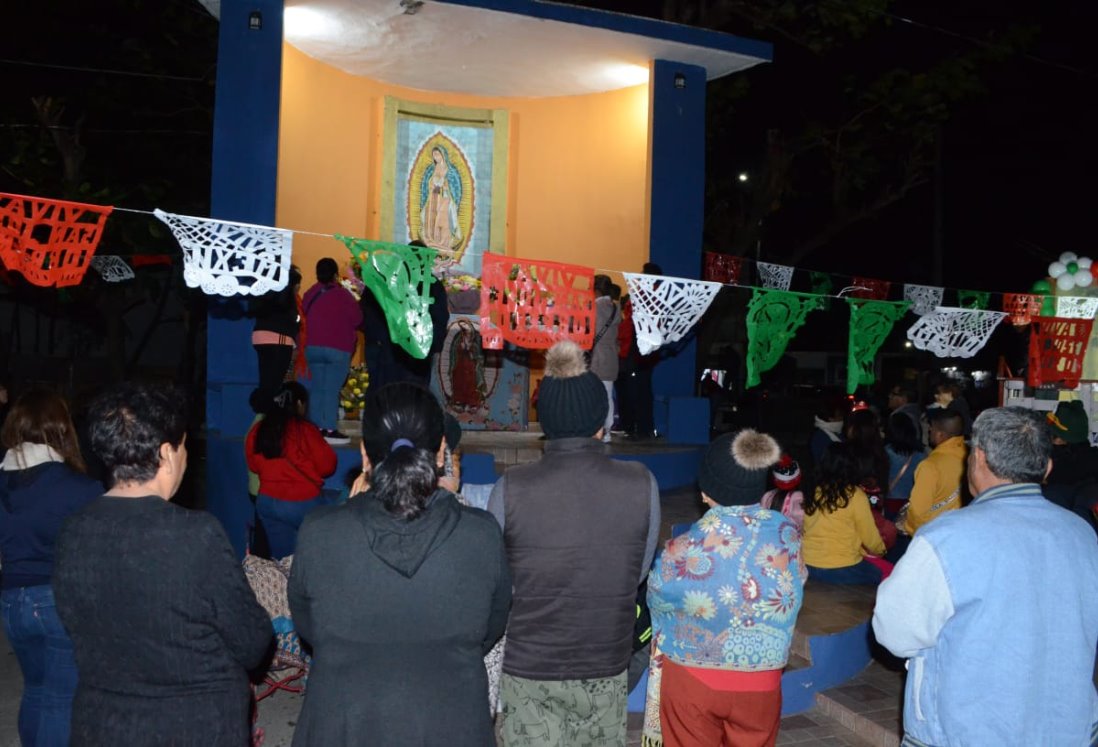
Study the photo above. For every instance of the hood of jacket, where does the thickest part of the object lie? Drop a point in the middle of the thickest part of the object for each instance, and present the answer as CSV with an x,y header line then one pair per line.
x,y
404,544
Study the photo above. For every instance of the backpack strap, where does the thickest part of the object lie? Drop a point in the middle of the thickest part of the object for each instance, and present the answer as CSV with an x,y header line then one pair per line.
x,y
900,474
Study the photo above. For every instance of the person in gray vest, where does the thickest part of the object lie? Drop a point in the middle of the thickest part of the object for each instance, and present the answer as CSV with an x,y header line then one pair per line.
x,y
580,530
995,605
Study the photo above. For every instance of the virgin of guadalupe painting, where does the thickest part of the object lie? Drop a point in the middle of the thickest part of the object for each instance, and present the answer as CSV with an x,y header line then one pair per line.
x,y
439,196
483,389
445,182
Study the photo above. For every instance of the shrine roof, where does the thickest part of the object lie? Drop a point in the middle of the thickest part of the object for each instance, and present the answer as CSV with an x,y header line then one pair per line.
x,y
523,48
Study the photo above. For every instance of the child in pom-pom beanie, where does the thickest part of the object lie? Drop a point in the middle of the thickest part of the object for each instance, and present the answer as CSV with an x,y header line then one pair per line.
x,y
785,497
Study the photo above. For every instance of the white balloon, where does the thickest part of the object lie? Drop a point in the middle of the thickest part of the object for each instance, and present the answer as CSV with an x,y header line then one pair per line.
x,y
1065,282
1056,269
1068,257
1083,279
1084,263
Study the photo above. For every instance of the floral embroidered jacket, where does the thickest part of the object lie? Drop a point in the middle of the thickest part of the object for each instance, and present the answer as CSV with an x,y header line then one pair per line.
x,y
725,594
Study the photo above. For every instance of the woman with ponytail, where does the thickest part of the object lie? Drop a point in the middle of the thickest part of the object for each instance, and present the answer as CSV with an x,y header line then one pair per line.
x,y
400,592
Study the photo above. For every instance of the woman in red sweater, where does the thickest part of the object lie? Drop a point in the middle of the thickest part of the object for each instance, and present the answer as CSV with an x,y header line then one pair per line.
x,y
291,458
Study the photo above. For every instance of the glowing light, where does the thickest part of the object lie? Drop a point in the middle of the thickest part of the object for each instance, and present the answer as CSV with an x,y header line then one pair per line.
x,y
625,74
307,23
743,177
907,344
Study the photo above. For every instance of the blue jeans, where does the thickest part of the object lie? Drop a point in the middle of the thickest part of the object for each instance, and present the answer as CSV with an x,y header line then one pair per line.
x,y
282,519
862,573
328,368
46,658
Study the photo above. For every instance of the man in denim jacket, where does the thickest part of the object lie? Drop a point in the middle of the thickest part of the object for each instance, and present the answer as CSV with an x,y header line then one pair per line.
x,y
996,605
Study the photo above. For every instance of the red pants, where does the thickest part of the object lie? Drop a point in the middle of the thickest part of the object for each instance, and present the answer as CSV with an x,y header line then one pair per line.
x,y
693,715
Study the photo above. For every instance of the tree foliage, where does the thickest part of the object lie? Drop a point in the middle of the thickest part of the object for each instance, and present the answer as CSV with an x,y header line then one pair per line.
x,y
113,105
845,122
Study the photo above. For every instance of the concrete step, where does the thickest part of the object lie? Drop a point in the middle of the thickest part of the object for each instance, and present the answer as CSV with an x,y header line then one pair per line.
x,y
870,705
796,661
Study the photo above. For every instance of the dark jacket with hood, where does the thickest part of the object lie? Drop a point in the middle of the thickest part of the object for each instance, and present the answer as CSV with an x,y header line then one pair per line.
x,y
399,614
1073,481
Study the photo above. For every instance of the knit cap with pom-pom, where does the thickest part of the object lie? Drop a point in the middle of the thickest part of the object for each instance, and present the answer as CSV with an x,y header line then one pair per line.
x,y
572,401
735,467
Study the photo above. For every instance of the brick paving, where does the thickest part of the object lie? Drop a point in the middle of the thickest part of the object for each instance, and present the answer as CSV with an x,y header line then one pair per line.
x,y
870,704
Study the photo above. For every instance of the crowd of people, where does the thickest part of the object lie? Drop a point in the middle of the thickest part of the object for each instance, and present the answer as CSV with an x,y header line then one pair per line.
x,y
133,622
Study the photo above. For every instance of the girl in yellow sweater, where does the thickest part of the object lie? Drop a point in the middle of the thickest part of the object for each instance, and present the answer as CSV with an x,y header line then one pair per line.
x,y
839,531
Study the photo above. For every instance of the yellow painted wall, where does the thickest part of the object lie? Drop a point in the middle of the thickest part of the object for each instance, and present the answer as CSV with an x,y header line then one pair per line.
x,y
577,166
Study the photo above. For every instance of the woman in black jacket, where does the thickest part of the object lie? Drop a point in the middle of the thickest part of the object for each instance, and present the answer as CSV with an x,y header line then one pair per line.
x,y
401,592
276,336
164,624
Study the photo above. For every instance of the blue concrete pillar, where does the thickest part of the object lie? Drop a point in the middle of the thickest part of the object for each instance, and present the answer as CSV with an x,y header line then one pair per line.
x,y
245,167
677,162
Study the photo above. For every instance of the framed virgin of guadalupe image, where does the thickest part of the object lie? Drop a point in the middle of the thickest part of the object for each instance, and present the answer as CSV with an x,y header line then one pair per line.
x,y
444,180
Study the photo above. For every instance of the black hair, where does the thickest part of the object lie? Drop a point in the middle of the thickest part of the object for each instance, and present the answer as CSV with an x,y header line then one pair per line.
x,y
602,285
280,411
326,270
405,477
948,421
902,436
651,268
901,390
128,425
862,431
836,479
829,407
615,291
950,386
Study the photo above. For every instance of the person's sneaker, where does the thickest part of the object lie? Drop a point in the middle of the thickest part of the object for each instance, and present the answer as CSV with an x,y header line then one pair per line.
x,y
335,437
606,438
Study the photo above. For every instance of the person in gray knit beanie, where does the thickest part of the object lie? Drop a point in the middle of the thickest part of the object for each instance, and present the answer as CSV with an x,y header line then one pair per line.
x,y
571,401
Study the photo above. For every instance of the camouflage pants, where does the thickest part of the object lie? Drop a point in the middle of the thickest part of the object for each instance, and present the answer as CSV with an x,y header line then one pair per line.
x,y
568,713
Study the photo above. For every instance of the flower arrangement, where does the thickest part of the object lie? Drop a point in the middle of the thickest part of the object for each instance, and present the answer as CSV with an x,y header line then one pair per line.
x,y
457,283
354,286
353,393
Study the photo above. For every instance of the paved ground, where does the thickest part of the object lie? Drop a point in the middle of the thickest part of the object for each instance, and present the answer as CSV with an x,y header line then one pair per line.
x,y
11,689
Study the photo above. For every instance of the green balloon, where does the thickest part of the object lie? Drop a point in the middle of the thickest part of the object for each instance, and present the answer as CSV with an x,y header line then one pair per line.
x,y
1041,286
1073,267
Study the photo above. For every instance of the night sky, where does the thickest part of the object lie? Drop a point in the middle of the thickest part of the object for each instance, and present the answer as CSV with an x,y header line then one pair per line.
x,y
1018,159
